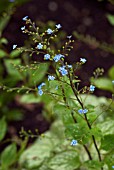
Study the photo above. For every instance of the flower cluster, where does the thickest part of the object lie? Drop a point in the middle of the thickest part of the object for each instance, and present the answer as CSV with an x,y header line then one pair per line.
x,y
63,70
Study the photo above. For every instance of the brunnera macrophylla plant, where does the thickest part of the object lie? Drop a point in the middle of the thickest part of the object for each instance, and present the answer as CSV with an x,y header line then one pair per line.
x,y
81,120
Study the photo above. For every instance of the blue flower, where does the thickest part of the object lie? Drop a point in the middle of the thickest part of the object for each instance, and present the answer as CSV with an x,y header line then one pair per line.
x,y
49,31
14,46
112,81
91,88
25,18
113,166
40,92
63,71
40,86
46,56
39,46
50,77
58,26
83,60
23,28
69,37
74,142
58,57
69,66
82,111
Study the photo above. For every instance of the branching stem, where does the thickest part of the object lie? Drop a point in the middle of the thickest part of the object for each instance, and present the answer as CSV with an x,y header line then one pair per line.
x,y
81,104
75,121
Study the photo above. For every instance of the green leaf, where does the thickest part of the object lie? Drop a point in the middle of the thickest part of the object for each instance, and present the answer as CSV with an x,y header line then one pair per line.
x,y
96,132
29,98
68,160
37,75
92,116
96,101
14,53
111,72
109,159
104,84
110,19
8,156
3,128
78,131
107,127
51,152
64,113
93,164
3,54
107,142
42,149
3,41
12,70
4,21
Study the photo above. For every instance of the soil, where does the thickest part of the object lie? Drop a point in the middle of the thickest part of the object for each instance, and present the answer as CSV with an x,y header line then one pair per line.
x,y
84,16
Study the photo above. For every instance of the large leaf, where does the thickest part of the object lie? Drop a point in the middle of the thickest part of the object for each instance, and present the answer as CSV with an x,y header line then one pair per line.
x,y
107,127
98,106
107,142
109,159
3,128
92,165
68,160
4,21
64,113
29,98
110,19
104,84
8,156
50,151
11,69
111,72
3,40
2,53
78,131
14,53
37,75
